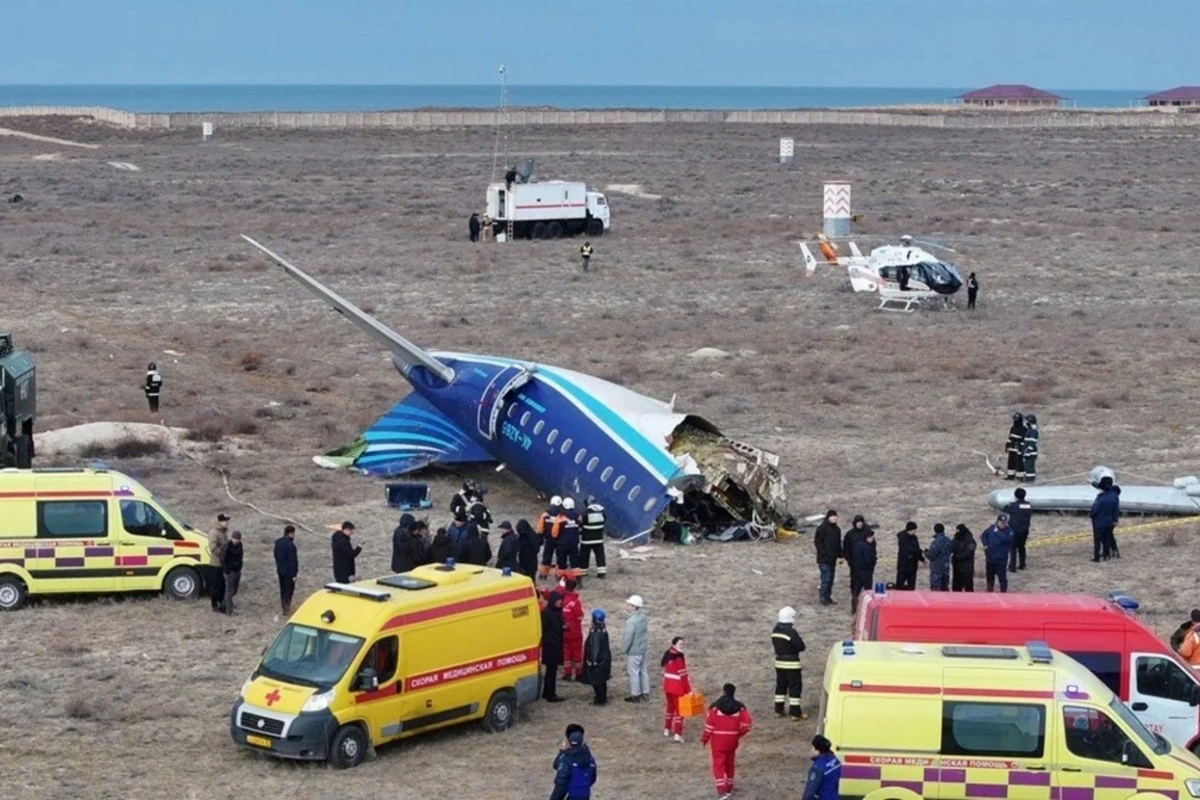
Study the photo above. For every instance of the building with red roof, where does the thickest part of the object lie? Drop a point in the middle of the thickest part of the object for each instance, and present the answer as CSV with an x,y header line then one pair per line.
x,y
1179,96
1011,95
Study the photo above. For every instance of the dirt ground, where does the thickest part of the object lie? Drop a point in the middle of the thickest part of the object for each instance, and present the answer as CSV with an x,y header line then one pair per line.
x,y
1084,243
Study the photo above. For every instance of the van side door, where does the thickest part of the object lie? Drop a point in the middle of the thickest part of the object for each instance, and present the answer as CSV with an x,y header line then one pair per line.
x,y
73,552
998,747
1164,697
381,705
145,544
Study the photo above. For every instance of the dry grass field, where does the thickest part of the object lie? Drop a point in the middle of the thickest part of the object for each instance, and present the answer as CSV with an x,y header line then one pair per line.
x,y
1084,242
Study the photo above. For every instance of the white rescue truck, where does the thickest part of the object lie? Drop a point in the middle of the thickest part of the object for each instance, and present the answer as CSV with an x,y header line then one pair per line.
x,y
547,209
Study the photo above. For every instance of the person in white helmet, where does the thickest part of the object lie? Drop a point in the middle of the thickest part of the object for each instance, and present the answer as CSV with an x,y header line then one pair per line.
x,y
547,530
567,549
635,643
788,673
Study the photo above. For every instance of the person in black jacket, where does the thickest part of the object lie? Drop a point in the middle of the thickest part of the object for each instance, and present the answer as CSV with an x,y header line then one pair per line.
x,y
972,290
400,535
1015,447
828,543
858,530
962,560
527,548
908,557
597,658
231,568
440,549
862,564
510,548
344,553
475,549
287,567
552,646
1020,515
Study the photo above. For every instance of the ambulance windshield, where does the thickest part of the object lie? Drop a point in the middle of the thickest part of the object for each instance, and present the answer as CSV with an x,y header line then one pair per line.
x,y
1156,743
310,656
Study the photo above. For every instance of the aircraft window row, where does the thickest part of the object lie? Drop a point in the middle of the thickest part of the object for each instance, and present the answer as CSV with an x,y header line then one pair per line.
x,y
580,455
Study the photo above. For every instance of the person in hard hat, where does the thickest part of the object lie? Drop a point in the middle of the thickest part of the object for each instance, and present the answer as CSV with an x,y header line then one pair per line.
x,y
1015,447
566,550
591,537
728,720
635,644
153,386
549,523
597,658
585,252
788,671
1029,452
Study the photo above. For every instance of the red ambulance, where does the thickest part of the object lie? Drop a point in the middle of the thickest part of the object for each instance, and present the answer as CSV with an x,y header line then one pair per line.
x,y
1140,668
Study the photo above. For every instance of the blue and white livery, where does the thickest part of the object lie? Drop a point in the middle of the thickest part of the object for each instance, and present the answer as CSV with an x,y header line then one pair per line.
x,y
563,432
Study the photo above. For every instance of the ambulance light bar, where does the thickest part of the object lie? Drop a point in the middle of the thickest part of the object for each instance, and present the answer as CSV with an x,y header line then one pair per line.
x,y
359,591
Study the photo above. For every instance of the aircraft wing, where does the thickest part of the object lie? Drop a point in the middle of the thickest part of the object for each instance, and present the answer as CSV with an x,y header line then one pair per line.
x,y
404,352
412,435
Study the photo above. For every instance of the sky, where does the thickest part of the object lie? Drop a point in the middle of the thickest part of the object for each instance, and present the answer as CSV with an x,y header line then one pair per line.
x,y
1058,44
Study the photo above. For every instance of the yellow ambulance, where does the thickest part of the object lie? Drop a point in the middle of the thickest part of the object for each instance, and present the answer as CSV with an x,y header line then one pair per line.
x,y
378,660
913,721
78,531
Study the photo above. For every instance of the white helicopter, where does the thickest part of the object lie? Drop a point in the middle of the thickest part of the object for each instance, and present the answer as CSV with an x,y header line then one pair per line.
x,y
904,275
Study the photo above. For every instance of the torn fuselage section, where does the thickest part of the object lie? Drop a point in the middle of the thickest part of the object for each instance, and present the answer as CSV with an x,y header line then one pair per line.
x,y
727,483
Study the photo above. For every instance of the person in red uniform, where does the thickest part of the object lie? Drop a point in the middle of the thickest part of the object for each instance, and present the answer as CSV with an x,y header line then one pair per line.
x,y
573,632
675,685
727,722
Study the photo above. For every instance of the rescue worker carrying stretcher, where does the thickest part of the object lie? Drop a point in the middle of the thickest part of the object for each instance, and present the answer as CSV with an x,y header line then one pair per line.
x,y
788,673
592,538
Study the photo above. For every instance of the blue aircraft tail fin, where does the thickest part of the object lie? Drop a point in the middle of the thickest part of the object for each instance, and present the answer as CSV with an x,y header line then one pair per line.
x,y
412,435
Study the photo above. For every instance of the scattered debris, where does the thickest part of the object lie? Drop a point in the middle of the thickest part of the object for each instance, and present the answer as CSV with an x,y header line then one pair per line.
x,y
46,157
125,165
16,198
633,190
39,138
104,435
708,352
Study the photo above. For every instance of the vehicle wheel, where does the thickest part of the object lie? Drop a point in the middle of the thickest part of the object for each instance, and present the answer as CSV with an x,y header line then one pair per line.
x,y
182,583
23,446
539,230
595,227
348,748
12,593
501,712
554,230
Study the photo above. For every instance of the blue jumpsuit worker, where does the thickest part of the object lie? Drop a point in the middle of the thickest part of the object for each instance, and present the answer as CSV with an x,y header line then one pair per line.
x,y
1020,516
997,542
938,554
825,774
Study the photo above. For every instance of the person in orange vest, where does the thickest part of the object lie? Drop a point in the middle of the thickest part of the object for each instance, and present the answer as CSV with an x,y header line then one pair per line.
x,y
727,722
547,528
572,631
675,685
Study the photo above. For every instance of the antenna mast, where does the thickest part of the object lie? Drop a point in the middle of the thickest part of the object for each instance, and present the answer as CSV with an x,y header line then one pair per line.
x,y
501,122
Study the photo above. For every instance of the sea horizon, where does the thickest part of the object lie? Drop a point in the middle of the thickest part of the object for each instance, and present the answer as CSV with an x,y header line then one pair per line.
x,y
160,98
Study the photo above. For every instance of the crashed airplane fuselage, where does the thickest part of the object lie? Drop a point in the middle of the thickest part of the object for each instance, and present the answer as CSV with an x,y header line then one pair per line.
x,y
561,431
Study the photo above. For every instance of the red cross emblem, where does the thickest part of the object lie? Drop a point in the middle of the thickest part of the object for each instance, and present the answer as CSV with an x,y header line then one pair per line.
x,y
273,697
